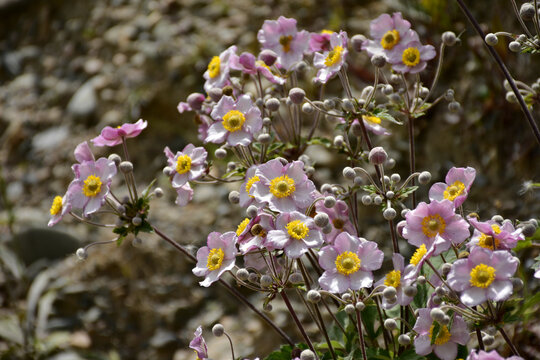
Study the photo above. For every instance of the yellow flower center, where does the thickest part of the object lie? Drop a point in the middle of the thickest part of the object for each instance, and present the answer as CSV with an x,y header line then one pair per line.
x,y
263,64
242,226
297,229
252,180
56,205
411,56
486,241
329,32
92,186
393,278
257,230
433,225
372,119
183,164
214,67
443,336
390,39
482,276
233,120
454,190
347,263
333,56
418,255
285,42
215,258
282,186
496,229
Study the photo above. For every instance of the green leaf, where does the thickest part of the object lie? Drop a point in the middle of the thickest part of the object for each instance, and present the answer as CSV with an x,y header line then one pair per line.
x,y
146,191
435,332
335,344
320,141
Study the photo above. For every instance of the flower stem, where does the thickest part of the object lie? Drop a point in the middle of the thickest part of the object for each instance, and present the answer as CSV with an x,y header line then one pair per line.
x,y
361,335
296,320
508,341
412,159
230,342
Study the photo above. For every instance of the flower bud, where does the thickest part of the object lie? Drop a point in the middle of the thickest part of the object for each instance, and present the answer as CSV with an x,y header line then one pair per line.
x,y
424,92
410,290
339,141
115,158
347,105
266,281
367,200
268,56
377,156
268,307
497,218
491,39
307,108
389,292
390,163
307,355
220,153
454,106
390,324
264,138
253,278
349,173
313,296
517,284
437,300
195,100
326,188
126,167
329,104
267,122
389,214
377,200
445,320
242,274
231,165
215,94
388,90
329,202
445,268
346,297
437,314
168,171
81,254
449,38
327,229
228,90
350,309
404,339
234,197
404,212
528,229
136,221
358,180
158,192
218,330
441,291
252,211
360,306
389,194
272,104
378,60
421,280
357,41
488,340
321,219
527,11
297,95
400,226
296,278
424,178
395,178
514,46
449,95
511,97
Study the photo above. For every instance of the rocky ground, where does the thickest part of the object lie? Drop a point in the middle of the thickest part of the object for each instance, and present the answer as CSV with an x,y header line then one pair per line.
x,y
67,69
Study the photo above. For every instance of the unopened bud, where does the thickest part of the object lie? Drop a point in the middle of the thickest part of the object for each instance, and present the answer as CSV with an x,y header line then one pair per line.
x,y
347,105
488,340
514,46
168,171
445,320
449,95
234,197
329,202
346,297
404,339
195,100
528,229
454,106
388,90
390,324
252,211
527,11
268,56
389,292
491,39
377,156
349,173
115,158
321,219
296,278
395,178
297,95
272,104
264,138
389,194
227,90
378,60
136,221
377,200
329,104
253,278
158,192
81,254
437,300
357,41
441,291
449,38
218,330
421,280
367,200
437,314
339,141
215,94
313,296
220,153
307,355
307,108
266,281
126,167
410,291
350,309
445,268
389,214
360,306
242,274
267,122
517,284
424,177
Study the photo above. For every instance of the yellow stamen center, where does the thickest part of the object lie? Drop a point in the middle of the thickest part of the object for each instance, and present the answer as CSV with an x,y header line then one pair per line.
x,y
257,230
56,205
372,119
214,67
482,276
411,56
328,32
390,39
496,229
92,186
347,263
285,42
242,226
297,229
263,64
183,164
252,180
443,336
454,190
418,255
333,56
282,186
215,259
486,241
233,120
393,278
433,225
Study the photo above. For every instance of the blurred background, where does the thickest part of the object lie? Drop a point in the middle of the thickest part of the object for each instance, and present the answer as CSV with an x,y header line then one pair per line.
x,y
69,68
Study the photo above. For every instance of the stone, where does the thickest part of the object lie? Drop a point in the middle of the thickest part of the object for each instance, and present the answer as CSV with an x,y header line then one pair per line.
x,y
84,102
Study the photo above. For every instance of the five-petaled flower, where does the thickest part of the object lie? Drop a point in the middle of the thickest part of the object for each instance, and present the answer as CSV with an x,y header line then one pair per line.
x,y
217,257
295,233
456,186
113,136
331,61
217,74
188,164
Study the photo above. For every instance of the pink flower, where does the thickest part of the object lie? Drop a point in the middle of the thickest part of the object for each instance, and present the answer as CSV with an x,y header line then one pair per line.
x,y
372,124
217,74
246,189
284,188
90,188
184,194
492,355
348,263
113,136
456,189
199,345
252,234
59,208
493,236
411,56
248,64
194,102
295,233
216,258
320,42
399,278
285,40
387,32
484,275
447,340
237,121
189,164
427,223
339,218
331,61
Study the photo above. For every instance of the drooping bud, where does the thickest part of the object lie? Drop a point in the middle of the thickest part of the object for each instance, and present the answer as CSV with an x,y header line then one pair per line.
x,y
449,38
218,330
377,156
357,41
268,56
195,100
313,296
297,95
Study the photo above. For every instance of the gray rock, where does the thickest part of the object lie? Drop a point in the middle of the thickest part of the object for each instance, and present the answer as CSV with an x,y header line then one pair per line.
x,y
84,101
49,140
